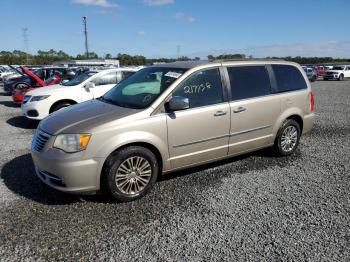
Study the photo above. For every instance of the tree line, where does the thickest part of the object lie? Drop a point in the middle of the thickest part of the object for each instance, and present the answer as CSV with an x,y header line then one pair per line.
x,y
18,57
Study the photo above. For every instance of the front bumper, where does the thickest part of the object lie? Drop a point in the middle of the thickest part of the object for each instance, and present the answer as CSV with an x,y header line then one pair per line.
x,y
68,172
330,77
35,110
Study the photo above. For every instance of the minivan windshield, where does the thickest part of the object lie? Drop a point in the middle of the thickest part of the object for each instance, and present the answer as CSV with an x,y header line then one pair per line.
x,y
79,79
142,88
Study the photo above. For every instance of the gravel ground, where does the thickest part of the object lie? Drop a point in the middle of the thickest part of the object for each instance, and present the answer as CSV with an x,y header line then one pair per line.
x,y
254,207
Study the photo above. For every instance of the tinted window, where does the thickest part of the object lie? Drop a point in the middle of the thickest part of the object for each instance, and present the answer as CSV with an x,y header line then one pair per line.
x,y
248,81
201,88
288,78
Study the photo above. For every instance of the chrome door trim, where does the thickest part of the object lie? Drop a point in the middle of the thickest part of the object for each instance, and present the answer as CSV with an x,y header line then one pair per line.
x,y
248,130
201,141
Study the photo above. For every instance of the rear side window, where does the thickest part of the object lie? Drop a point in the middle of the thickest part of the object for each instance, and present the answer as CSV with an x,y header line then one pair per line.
x,y
288,78
248,82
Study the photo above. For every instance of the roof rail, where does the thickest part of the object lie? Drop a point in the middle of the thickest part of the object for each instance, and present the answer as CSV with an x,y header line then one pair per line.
x,y
246,59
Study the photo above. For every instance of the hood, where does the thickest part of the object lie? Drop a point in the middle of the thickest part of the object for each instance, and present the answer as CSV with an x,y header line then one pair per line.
x,y
45,90
83,117
334,71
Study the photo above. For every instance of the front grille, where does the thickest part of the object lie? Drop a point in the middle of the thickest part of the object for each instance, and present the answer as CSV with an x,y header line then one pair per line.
x,y
39,140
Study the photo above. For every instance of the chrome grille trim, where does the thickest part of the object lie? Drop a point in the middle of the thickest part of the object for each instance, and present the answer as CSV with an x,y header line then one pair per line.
x,y
39,140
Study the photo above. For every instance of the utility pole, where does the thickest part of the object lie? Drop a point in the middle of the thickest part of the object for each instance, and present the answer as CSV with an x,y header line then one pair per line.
x,y
25,43
178,50
86,37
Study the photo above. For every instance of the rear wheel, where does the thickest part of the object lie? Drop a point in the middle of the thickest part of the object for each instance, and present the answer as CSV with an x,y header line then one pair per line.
x,y
287,138
129,173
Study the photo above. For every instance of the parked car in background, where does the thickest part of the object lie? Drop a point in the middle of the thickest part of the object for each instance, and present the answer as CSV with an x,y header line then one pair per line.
x,y
170,117
320,70
338,72
5,71
19,93
41,102
31,78
311,73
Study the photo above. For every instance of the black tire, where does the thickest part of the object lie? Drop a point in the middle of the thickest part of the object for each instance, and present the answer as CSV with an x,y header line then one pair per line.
x,y
341,77
313,79
109,173
60,106
278,149
325,79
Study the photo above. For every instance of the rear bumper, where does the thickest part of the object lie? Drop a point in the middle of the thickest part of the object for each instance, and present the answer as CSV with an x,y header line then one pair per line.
x,y
308,122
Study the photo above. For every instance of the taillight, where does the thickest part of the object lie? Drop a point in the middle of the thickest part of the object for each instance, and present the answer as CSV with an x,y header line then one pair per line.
x,y
312,102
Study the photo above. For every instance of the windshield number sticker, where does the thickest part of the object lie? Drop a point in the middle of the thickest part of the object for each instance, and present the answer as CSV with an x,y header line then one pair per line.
x,y
173,74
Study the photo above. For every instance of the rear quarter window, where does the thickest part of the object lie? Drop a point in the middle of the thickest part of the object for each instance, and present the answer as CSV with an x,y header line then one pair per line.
x,y
288,78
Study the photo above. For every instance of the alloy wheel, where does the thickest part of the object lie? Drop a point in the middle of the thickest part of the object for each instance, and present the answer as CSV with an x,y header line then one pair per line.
x,y
133,175
289,138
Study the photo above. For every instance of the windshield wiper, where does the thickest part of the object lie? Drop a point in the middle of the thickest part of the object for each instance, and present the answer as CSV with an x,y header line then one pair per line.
x,y
106,100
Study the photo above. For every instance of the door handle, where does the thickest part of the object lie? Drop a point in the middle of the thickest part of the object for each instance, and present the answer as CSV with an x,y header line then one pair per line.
x,y
239,109
220,113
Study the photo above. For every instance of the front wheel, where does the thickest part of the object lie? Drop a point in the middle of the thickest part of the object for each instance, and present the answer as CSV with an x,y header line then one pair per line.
x,y
129,173
287,138
341,78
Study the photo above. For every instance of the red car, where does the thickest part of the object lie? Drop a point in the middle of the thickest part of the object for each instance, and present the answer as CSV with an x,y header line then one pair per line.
x,y
19,93
320,70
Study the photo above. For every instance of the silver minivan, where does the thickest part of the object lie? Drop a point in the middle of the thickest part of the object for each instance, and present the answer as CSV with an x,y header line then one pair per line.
x,y
170,117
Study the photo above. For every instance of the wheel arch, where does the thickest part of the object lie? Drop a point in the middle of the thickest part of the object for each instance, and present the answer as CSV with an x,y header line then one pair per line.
x,y
293,113
71,101
147,145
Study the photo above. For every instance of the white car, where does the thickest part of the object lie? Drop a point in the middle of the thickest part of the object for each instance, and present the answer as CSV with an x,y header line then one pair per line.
x,y
338,72
41,102
4,72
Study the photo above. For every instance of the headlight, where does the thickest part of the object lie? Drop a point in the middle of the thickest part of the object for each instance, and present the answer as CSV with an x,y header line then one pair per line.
x,y
26,99
71,143
38,98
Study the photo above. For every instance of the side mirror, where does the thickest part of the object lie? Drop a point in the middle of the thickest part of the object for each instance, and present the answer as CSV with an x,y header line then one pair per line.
x,y
89,85
177,103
